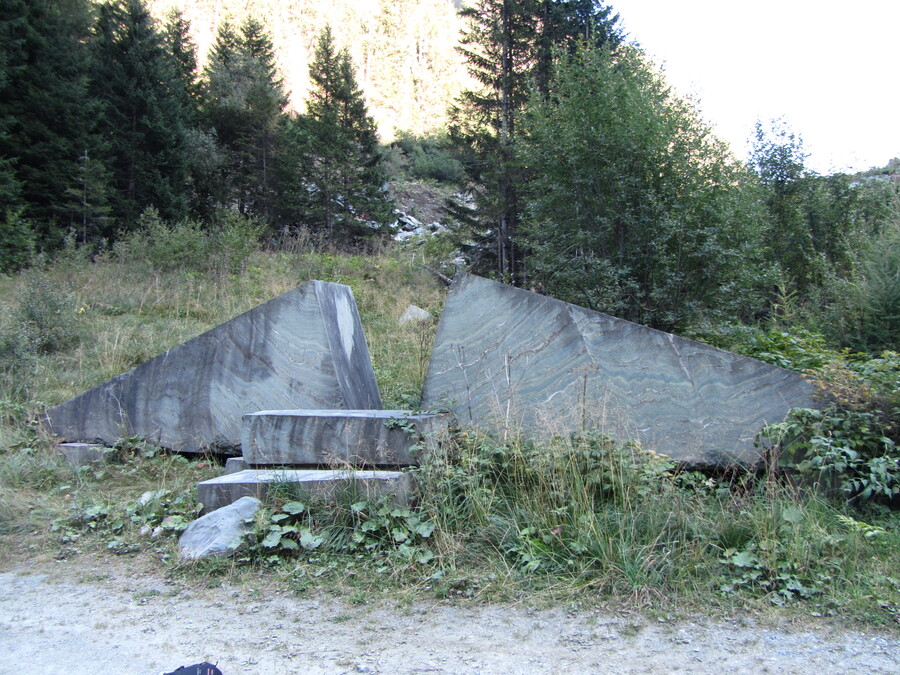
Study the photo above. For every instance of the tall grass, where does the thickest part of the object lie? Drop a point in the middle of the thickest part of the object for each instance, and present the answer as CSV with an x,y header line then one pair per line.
x,y
596,515
580,516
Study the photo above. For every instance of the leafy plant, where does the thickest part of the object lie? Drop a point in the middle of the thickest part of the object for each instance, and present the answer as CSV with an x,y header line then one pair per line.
x,y
287,531
376,527
838,448
46,314
782,582
384,527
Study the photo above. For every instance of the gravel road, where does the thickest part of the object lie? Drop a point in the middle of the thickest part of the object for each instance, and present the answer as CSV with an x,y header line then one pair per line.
x,y
92,616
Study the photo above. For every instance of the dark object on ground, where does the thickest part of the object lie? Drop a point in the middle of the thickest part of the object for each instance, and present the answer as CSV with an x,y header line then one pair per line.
x,y
197,669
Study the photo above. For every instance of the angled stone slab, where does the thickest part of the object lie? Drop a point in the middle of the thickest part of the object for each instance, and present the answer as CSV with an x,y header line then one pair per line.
x,y
513,360
339,437
327,484
304,349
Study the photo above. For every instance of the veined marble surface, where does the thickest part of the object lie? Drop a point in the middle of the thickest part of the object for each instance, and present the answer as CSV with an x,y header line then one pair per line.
x,y
303,349
339,437
514,360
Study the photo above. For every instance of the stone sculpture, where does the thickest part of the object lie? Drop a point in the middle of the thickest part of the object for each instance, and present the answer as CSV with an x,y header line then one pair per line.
x,y
303,349
520,362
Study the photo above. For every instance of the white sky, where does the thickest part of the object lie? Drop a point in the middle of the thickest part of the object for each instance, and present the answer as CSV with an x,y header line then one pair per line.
x,y
830,69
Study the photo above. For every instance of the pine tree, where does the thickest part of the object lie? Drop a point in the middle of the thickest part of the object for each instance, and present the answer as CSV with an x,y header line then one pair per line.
x,y
345,181
144,113
500,49
509,47
46,116
568,24
180,45
244,101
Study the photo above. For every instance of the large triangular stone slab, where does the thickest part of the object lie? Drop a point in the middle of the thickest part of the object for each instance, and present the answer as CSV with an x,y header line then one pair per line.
x,y
508,359
304,349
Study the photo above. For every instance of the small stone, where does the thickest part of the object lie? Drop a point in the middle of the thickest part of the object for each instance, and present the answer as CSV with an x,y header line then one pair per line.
x,y
82,454
235,465
220,533
414,314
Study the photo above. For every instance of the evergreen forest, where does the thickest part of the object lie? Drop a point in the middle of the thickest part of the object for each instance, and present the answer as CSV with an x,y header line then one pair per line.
x,y
165,165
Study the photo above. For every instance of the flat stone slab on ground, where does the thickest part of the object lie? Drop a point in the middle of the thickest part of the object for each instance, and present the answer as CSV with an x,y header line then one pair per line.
x,y
218,492
82,454
304,349
339,437
513,360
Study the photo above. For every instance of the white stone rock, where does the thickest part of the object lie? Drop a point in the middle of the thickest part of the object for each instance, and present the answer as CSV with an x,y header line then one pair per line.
x,y
413,313
220,533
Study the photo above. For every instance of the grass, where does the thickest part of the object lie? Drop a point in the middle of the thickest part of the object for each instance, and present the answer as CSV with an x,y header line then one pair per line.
x,y
579,520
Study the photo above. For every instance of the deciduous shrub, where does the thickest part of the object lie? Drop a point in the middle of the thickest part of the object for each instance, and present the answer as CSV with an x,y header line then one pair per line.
x,y
218,250
44,318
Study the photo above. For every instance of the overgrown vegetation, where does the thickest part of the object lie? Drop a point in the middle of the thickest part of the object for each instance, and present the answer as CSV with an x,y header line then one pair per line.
x,y
590,181
581,517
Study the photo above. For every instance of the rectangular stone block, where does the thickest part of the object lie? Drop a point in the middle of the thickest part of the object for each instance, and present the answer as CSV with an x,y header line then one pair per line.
x,y
511,360
235,464
304,349
81,454
339,437
328,484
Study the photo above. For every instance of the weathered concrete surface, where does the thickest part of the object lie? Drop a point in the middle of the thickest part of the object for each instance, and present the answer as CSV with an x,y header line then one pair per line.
x,y
218,492
81,454
304,349
218,534
339,437
515,360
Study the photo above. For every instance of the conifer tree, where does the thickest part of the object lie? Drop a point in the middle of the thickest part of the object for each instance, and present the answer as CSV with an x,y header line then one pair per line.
x,y
509,47
144,113
244,101
46,116
180,45
345,181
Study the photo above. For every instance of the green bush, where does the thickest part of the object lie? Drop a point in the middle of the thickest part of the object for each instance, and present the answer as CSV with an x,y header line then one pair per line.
x,y
430,158
218,250
797,350
162,246
17,240
17,362
232,239
879,319
45,316
839,449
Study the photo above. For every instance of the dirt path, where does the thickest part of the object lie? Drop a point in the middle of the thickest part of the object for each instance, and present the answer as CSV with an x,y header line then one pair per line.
x,y
79,617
